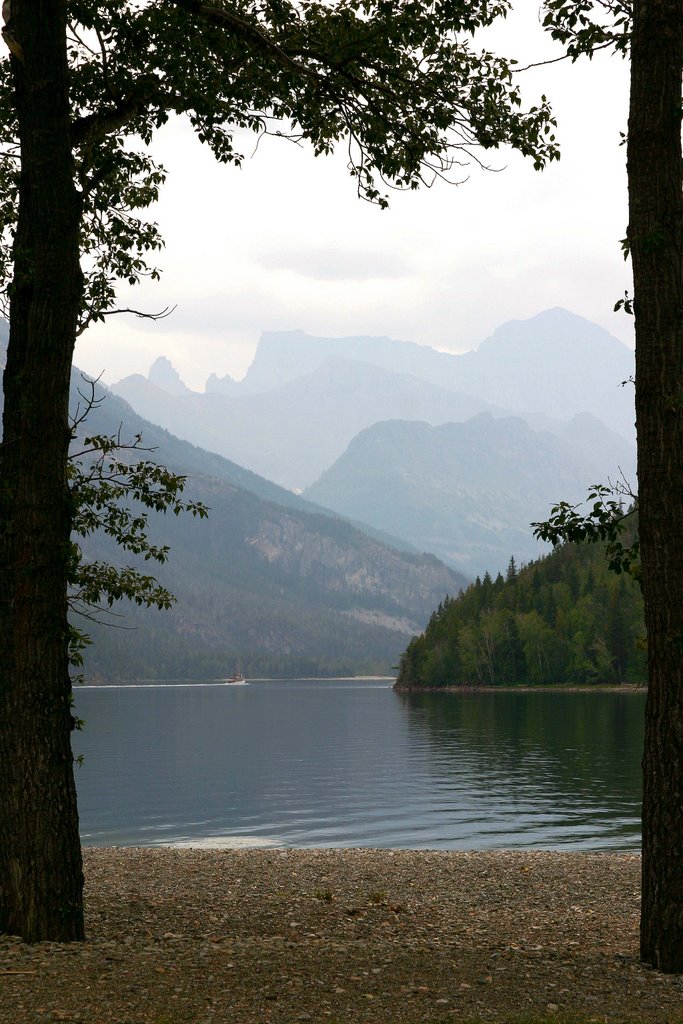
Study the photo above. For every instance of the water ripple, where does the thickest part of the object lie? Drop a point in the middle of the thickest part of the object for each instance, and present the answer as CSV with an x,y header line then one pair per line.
x,y
302,763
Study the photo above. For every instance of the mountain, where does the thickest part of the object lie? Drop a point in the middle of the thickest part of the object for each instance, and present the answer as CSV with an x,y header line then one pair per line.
x,y
163,375
294,432
282,356
268,583
467,492
556,363
271,591
304,399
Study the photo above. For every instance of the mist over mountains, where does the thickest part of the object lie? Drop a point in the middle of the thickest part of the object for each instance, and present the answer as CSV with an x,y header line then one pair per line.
x,y
403,451
269,583
304,399
293,433
554,364
366,426
468,491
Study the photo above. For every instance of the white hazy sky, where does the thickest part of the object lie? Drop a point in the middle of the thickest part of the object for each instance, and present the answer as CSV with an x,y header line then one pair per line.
x,y
284,243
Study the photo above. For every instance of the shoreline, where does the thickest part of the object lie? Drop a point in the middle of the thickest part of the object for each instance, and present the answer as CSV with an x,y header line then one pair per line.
x,y
549,688
102,684
272,936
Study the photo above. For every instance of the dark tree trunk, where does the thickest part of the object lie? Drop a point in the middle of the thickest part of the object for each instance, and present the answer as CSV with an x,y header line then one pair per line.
x,y
40,858
656,238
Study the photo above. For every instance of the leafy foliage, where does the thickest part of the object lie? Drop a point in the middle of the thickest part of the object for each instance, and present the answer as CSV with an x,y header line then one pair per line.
x,y
562,619
399,83
100,482
586,26
606,520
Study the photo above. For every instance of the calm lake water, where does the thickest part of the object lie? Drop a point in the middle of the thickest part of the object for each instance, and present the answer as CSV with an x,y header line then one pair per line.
x,y
351,763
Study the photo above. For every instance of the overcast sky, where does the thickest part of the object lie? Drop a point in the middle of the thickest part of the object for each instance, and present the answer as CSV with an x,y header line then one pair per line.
x,y
284,243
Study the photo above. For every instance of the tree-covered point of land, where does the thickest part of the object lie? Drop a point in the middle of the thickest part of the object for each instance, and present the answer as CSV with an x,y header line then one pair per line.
x,y
564,619
84,85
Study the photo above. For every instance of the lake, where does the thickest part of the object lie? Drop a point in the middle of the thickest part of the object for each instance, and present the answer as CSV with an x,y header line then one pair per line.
x,y
302,763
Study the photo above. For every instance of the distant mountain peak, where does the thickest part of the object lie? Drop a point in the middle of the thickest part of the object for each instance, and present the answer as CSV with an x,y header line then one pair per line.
x,y
553,329
216,385
163,374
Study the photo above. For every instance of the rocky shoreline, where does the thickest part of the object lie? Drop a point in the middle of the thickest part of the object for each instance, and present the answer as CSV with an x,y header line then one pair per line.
x,y
541,688
197,936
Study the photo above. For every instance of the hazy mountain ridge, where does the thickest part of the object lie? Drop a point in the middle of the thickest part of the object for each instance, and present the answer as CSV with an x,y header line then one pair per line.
x,y
305,402
163,375
468,491
275,587
282,356
304,398
469,498
256,579
555,363
274,590
294,432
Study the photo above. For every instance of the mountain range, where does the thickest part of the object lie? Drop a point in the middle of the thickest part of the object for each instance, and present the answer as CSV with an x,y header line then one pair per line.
x,y
555,363
304,399
401,449
332,417
295,431
269,583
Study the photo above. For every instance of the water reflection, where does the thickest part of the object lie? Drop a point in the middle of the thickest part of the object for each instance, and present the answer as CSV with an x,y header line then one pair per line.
x,y
350,763
550,768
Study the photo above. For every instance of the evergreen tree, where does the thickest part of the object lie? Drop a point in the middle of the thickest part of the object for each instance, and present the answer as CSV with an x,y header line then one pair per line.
x,y
535,628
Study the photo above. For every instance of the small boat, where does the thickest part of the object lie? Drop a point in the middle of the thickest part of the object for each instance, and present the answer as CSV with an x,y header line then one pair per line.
x,y
236,678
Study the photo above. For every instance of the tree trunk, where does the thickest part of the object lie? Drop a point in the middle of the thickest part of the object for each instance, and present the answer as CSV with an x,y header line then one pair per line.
x,y
40,859
655,175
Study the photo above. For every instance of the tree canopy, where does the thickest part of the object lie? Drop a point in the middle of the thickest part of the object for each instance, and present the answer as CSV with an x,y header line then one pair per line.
x,y
400,85
564,619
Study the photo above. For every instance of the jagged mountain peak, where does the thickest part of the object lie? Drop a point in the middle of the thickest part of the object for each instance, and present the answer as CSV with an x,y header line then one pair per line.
x,y
226,385
163,374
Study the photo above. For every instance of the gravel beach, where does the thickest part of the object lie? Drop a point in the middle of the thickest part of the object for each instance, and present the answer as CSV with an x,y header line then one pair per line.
x,y
195,936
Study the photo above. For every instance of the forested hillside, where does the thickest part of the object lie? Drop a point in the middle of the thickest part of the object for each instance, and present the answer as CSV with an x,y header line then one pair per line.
x,y
562,619
268,584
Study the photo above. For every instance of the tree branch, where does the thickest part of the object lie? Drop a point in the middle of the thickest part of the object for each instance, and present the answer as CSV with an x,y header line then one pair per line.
x,y
102,123
556,60
161,315
246,30
96,126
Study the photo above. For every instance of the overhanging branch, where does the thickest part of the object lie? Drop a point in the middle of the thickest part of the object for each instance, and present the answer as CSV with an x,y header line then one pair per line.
x,y
92,127
246,30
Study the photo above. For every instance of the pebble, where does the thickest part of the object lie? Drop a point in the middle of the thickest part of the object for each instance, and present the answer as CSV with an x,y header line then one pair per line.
x,y
459,911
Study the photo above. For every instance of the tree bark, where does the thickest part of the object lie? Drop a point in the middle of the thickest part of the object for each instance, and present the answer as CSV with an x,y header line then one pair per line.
x,y
40,858
655,175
